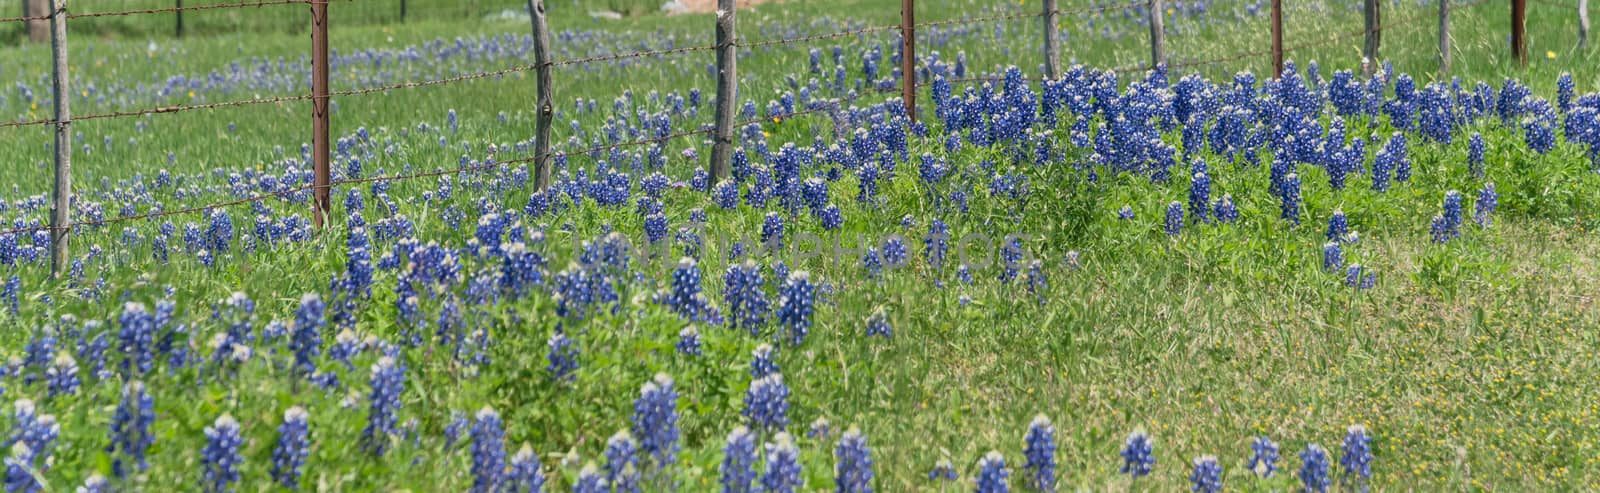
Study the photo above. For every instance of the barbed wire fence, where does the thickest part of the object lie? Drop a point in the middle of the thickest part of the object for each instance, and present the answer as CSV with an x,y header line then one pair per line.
x,y
727,46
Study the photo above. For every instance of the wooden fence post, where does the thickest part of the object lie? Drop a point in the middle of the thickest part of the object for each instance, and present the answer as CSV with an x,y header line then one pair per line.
x,y
1052,40
1158,34
61,209
38,29
1519,41
1373,18
1444,38
908,56
547,110
179,13
321,183
727,89
1277,38
1583,24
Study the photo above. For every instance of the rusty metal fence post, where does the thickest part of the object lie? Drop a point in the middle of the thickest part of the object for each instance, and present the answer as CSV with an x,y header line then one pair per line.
x,y
908,56
61,209
321,183
1277,38
1519,41
178,12
727,89
541,60
1052,40
1158,34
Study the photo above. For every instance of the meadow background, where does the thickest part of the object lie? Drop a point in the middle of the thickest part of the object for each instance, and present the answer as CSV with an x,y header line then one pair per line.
x,y
1472,363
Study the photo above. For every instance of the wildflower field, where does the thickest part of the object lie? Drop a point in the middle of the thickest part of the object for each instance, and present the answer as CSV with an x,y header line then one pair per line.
x,y
1194,277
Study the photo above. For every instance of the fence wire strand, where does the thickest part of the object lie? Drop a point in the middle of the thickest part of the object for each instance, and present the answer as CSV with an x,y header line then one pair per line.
x,y
168,10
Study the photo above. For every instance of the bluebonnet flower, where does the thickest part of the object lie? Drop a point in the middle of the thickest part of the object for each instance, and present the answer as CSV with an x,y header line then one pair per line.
x,y
782,474
453,431
1356,276
590,481
873,262
1314,469
772,231
20,467
137,340
1225,211
95,483
1338,226
993,477
1447,226
746,300
655,420
1040,449
762,362
130,429
1174,223
62,376
1541,138
388,382
852,473
689,341
766,403
306,340
878,324
1125,213
1263,456
1488,200
1207,475
294,446
1138,455
819,429
686,299
943,471
1475,154
937,243
563,358
867,182
1289,204
831,218
1357,458
13,295
894,252
524,475
655,228
488,452
1332,257
1200,198
738,462
1564,92
221,455
796,304
726,195
622,463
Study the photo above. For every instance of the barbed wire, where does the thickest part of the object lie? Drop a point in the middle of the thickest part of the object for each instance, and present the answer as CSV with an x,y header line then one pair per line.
x,y
975,20
1549,3
168,10
202,106
1105,8
818,37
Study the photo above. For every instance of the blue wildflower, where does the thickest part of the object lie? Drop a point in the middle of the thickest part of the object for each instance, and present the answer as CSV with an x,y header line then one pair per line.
x,y
852,473
488,452
796,305
306,340
1487,201
1263,456
524,475
1207,475
766,403
738,462
1040,449
689,341
221,455
943,471
294,446
655,420
388,382
622,463
1314,469
1357,458
130,429
1174,223
563,358
1138,455
993,477
762,362
782,474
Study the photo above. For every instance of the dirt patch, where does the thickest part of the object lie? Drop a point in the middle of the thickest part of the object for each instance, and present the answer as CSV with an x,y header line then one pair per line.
x,y
700,6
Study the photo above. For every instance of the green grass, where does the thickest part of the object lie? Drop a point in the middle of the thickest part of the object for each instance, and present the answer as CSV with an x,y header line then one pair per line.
x,y
1473,363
